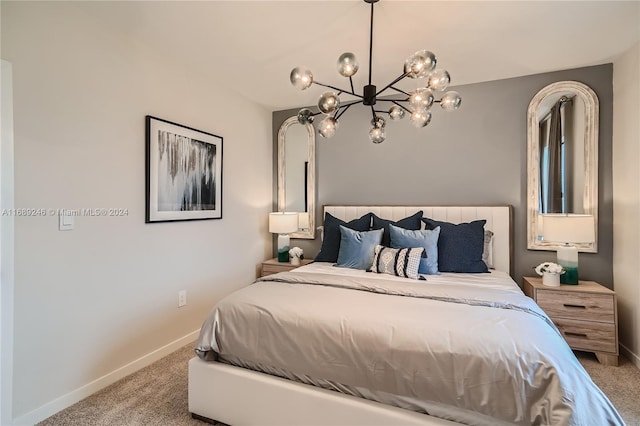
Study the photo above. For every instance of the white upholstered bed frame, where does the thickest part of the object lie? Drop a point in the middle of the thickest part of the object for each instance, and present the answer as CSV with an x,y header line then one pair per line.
x,y
237,396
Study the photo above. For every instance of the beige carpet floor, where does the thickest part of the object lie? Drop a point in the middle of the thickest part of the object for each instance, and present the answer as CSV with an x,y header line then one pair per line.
x,y
157,395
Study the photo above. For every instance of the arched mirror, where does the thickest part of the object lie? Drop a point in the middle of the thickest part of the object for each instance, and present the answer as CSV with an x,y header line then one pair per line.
x,y
562,158
296,174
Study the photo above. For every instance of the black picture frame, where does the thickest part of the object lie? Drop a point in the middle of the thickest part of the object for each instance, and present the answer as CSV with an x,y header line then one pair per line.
x,y
183,172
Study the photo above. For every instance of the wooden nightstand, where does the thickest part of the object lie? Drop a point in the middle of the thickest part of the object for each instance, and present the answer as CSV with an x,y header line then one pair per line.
x,y
272,266
586,314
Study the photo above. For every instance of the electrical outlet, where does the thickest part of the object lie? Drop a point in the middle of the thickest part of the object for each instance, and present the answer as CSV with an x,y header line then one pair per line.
x,y
182,298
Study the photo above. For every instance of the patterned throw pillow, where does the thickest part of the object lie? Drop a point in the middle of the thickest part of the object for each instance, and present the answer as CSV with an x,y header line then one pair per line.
x,y
402,262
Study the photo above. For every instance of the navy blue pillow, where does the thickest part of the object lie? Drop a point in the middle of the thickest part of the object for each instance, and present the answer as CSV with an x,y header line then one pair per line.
x,y
460,246
411,222
331,242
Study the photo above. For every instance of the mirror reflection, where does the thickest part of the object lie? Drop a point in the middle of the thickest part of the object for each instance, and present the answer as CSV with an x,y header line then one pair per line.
x,y
296,158
562,156
561,153
296,174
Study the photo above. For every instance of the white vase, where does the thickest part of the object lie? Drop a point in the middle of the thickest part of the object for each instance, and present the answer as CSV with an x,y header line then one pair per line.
x,y
295,260
551,280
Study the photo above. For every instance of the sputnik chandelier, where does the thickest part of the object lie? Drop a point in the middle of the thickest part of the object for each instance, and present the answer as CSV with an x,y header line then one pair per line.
x,y
420,65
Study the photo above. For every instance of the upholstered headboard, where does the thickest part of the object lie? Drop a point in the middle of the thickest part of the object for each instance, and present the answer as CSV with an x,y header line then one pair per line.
x,y
498,221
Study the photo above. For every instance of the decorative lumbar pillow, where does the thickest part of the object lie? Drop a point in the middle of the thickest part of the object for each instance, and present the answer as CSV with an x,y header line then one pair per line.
x,y
487,252
460,246
331,235
356,248
402,262
426,238
410,222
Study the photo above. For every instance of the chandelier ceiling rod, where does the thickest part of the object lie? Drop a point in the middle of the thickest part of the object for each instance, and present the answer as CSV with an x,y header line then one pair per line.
x,y
371,37
421,64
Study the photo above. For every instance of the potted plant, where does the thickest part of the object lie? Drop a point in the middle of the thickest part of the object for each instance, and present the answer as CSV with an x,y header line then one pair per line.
x,y
550,273
295,255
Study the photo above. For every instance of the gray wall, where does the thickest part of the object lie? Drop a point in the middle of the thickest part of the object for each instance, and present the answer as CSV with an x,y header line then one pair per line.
x,y
476,155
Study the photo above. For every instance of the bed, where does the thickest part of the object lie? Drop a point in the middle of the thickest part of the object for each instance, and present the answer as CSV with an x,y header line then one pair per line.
x,y
324,345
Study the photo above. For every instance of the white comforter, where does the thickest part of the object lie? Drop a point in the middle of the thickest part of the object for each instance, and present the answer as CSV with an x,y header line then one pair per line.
x,y
465,347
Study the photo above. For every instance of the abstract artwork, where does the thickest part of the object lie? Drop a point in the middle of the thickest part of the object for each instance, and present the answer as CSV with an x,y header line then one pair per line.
x,y
183,173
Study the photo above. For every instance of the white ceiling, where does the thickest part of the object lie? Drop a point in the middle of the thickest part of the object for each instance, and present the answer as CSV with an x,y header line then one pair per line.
x,y
251,46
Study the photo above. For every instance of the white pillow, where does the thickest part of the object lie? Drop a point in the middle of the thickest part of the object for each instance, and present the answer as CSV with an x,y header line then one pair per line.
x,y
487,252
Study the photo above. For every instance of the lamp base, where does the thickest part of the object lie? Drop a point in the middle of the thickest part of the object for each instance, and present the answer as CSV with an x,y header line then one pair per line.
x,y
570,276
283,256
283,247
568,259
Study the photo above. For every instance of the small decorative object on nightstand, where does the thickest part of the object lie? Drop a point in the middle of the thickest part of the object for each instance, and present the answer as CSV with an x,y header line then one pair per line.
x,y
550,273
586,315
551,279
296,254
273,266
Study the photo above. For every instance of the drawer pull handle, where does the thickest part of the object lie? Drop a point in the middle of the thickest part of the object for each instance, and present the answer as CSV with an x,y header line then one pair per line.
x,y
569,333
566,305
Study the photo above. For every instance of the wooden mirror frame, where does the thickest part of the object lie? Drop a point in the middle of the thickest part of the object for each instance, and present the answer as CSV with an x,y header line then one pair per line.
x,y
307,233
590,194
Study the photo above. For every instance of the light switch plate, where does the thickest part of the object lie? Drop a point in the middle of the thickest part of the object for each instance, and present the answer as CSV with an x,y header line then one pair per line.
x,y
66,222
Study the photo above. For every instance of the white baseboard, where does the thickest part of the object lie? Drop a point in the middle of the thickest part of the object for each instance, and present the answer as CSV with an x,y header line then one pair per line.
x,y
58,404
634,358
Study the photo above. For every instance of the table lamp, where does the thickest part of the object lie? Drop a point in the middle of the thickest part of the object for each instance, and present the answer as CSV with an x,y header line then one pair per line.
x,y
568,229
282,223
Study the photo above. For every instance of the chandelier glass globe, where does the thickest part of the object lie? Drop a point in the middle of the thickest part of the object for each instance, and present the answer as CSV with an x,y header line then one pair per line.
x,y
378,122
420,117
328,127
347,64
377,135
305,116
396,113
328,102
421,98
450,101
301,78
439,80
420,64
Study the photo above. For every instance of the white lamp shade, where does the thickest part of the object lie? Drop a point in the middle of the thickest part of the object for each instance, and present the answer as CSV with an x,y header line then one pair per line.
x,y
283,222
568,228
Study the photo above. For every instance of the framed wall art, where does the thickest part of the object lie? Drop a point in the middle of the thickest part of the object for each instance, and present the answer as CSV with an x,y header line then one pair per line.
x,y
183,173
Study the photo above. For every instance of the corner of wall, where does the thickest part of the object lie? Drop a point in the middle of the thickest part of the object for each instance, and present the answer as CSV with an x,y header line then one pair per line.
x,y
626,199
6,247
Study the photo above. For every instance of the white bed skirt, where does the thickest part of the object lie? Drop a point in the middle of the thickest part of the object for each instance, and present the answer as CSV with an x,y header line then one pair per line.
x,y
246,397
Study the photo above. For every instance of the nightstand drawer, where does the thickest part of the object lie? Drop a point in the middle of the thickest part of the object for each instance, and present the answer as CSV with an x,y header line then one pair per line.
x,y
272,266
274,269
580,306
588,336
